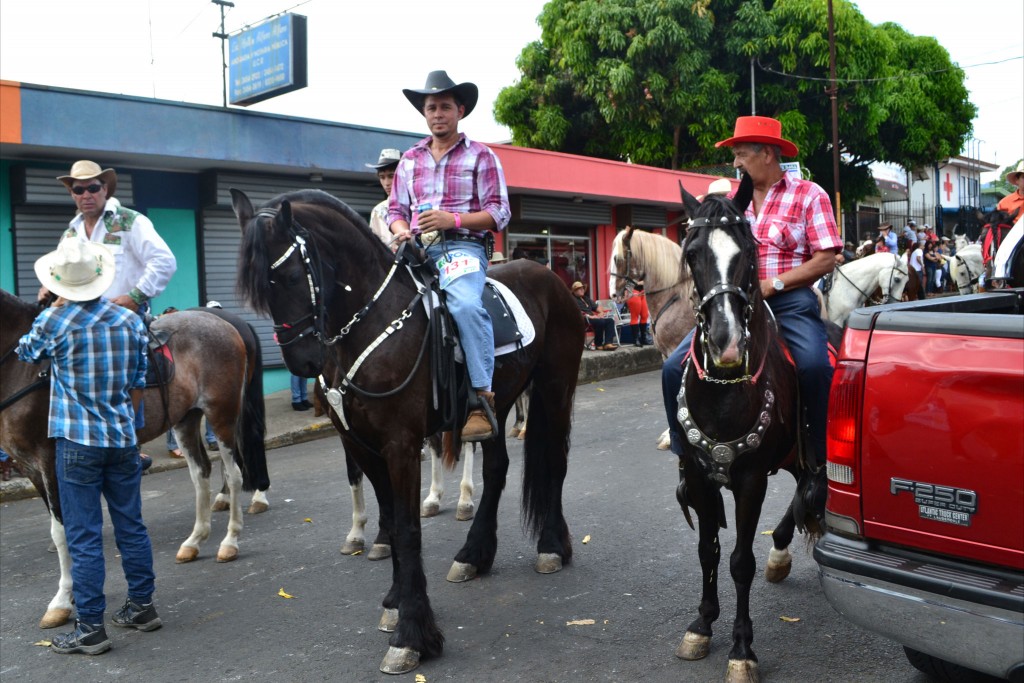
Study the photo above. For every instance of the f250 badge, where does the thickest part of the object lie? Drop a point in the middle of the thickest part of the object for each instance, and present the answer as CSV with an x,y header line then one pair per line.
x,y
939,503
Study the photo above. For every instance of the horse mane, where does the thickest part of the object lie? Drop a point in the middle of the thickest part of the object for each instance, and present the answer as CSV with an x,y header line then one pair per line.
x,y
662,258
323,216
18,313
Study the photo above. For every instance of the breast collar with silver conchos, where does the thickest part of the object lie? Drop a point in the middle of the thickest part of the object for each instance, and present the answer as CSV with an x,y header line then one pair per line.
x,y
716,457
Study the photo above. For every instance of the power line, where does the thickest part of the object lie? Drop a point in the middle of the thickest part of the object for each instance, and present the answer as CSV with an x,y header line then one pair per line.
x,y
908,74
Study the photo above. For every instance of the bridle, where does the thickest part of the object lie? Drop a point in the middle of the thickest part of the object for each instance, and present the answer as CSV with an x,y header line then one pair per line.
x,y
972,278
629,282
896,268
311,263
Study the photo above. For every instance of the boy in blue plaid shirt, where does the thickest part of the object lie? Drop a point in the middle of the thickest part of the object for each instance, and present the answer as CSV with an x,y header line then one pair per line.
x,y
98,352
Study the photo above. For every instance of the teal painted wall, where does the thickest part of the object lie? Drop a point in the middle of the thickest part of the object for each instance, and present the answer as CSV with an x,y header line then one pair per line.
x,y
276,379
7,278
178,228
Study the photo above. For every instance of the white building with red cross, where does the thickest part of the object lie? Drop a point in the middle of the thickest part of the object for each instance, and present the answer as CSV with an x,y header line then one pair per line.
x,y
952,186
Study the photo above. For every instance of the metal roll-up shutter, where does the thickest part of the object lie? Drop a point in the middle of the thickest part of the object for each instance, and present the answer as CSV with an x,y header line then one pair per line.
x,y
561,211
39,186
221,236
37,230
649,216
361,196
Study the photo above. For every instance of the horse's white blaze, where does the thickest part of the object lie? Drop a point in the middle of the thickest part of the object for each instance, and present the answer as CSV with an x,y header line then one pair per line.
x,y
725,249
357,533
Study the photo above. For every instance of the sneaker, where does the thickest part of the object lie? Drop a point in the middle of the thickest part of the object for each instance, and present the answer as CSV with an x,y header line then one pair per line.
x,y
212,446
134,615
87,639
299,406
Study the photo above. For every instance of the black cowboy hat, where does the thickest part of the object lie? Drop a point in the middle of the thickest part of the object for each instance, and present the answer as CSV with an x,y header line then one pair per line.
x,y
439,82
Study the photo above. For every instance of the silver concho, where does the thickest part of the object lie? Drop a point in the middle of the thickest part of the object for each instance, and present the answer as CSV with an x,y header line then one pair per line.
x,y
334,397
693,435
722,454
769,397
684,414
766,418
753,440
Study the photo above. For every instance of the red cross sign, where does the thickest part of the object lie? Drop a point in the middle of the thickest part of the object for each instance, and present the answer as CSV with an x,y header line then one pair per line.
x,y
948,187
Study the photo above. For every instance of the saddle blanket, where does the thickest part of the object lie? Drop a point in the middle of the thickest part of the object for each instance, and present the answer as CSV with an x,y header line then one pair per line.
x,y
507,304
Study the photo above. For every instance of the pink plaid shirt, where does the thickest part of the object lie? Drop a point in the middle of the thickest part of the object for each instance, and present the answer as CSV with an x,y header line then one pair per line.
x,y
796,220
466,180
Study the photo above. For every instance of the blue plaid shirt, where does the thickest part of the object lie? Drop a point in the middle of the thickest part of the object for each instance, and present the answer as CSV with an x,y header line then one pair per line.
x,y
99,355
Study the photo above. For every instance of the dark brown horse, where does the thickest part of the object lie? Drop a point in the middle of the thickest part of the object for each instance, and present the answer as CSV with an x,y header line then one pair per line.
x,y
738,412
213,375
334,290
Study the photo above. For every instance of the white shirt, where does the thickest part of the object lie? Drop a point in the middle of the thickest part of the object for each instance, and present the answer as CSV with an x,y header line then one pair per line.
x,y
141,257
379,222
917,259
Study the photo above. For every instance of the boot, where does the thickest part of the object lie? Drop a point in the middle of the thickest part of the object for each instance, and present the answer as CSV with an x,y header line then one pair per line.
x,y
645,333
635,330
478,427
6,468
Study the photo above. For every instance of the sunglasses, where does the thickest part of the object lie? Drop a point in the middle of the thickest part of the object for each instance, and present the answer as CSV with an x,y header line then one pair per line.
x,y
91,189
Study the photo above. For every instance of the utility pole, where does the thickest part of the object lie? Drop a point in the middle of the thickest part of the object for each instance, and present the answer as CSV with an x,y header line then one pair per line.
x,y
753,95
832,93
223,54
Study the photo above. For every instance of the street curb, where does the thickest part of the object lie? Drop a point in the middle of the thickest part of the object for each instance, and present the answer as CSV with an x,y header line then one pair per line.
x,y
595,366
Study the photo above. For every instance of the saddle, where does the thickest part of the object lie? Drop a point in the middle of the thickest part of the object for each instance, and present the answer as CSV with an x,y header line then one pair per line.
x,y
160,370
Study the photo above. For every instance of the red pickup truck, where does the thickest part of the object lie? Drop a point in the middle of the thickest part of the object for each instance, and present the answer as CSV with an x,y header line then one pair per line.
x,y
925,514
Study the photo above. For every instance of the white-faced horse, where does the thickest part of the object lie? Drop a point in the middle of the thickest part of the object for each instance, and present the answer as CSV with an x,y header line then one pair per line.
x,y
855,282
966,267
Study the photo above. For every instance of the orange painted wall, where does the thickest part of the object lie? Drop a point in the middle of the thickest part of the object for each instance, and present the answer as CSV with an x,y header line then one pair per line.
x,y
10,112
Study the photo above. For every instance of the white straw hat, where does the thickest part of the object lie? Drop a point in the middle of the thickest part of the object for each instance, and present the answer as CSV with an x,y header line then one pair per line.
x,y
77,270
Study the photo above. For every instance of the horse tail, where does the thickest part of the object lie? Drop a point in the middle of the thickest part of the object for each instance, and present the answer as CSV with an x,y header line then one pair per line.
x,y
251,428
450,449
546,454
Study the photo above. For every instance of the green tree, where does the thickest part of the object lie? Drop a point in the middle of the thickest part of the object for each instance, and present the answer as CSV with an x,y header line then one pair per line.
x,y
659,81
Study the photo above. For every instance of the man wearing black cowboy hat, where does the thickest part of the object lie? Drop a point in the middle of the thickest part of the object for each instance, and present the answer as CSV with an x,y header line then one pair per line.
x,y
385,168
450,193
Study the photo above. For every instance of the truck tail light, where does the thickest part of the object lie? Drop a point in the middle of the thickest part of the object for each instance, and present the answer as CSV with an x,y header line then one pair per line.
x,y
844,422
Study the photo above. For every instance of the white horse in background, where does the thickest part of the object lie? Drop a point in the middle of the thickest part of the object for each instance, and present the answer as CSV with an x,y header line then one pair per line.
x,y
966,267
856,282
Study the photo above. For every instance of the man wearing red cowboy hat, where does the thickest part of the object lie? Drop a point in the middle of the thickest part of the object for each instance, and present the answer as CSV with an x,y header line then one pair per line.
x,y
450,193
795,227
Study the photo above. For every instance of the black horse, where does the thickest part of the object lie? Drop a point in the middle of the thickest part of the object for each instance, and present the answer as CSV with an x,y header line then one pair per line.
x,y
334,290
738,410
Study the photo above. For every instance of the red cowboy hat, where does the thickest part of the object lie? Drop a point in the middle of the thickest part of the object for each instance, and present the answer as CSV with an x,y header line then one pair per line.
x,y
760,129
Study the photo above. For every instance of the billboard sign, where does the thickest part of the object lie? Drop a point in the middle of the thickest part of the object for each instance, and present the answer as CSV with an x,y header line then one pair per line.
x,y
267,60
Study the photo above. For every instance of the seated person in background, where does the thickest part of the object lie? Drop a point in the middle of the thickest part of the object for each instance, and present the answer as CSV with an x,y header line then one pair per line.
x,y
604,328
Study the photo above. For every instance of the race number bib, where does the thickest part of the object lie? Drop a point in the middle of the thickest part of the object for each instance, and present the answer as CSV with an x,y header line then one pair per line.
x,y
456,264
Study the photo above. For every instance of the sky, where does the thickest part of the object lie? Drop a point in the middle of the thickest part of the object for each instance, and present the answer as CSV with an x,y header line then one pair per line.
x,y
362,54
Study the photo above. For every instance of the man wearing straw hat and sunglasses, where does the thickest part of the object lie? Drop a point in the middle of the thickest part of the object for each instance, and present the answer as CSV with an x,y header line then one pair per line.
x,y
449,191
144,262
98,352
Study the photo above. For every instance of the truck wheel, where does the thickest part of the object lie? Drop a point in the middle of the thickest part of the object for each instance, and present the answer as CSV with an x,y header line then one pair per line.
x,y
946,672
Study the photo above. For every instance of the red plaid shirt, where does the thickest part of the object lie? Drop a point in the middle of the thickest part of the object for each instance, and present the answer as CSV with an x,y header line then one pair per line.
x,y
796,220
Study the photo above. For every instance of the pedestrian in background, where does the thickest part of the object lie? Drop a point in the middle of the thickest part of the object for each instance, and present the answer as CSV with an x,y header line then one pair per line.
x,y
98,354
385,167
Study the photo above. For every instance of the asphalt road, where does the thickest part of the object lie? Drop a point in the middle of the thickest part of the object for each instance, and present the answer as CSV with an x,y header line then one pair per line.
x,y
637,578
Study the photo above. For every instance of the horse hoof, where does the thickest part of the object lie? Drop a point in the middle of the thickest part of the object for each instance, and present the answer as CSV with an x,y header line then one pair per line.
x,y
379,551
461,572
388,620
548,563
779,564
220,506
257,507
185,554
742,671
54,617
400,660
513,433
227,554
522,435
694,646
464,513
430,509
353,547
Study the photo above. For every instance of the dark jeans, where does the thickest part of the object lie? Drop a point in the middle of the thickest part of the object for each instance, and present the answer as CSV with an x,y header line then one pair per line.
x,y
804,332
84,473
604,331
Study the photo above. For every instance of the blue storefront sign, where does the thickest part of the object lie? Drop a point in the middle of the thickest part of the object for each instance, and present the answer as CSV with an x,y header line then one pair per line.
x,y
267,60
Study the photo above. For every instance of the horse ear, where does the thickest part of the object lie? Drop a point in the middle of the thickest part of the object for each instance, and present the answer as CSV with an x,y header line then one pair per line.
x,y
242,206
284,217
744,194
689,201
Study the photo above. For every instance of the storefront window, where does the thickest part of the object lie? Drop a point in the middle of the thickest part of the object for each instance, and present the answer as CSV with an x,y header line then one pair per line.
x,y
564,250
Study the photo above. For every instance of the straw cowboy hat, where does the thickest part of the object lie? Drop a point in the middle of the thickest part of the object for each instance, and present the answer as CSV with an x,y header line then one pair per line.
x,y
87,170
760,129
77,270
498,257
1012,176
720,186
438,83
388,157
577,285
885,226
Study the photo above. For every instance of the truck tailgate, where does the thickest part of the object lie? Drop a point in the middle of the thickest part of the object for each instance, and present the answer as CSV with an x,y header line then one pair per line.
x,y
942,464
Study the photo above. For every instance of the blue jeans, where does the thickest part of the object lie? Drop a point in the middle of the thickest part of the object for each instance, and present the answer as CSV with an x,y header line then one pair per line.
x,y
804,332
299,389
172,443
83,473
465,303
604,331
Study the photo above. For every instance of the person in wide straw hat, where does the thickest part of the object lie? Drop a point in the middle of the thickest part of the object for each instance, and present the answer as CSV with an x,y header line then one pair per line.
x,y
454,221
98,361
145,264
1015,200
794,224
